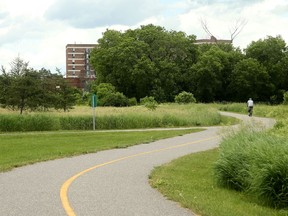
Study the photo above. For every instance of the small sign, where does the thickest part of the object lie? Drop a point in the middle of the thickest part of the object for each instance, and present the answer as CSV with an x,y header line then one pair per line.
x,y
94,100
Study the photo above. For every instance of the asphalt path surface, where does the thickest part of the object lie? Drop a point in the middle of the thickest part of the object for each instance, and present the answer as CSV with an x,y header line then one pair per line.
x,y
107,183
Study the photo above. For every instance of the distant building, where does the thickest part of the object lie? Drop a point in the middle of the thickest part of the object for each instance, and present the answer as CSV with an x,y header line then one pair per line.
x,y
212,40
78,68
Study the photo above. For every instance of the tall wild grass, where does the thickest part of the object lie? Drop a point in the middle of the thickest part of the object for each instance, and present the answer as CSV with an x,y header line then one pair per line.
x,y
279,112
256,163
168,115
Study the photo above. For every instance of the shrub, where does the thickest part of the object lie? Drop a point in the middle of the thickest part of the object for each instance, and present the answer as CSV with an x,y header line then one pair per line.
x,y
132,101
116,99
104,89
149,102
185,97
285,98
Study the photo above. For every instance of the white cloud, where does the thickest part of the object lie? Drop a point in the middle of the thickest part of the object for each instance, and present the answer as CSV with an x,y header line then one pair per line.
x,y
99,13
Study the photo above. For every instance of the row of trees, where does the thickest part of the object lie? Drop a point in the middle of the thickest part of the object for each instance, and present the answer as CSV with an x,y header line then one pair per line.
x,y
151,61
24,88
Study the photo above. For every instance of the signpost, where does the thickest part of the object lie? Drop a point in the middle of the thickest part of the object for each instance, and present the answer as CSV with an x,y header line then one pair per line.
x,y
94,104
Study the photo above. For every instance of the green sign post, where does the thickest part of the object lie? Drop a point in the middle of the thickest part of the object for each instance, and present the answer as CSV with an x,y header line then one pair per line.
x,y
94,100
94,104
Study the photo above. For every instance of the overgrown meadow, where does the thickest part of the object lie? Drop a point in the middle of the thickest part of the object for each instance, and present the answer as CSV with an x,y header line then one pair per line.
x,y
81,118
256,162
18,149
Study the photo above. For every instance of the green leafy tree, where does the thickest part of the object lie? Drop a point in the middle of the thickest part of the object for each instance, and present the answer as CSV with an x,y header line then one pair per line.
x,y
267,51
24,88
211,75
5,82
18,67
146,61
21,86
250,79
208,74
64,95
271,52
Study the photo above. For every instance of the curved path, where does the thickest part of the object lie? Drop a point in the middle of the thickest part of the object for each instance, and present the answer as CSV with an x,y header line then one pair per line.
x,y
107,183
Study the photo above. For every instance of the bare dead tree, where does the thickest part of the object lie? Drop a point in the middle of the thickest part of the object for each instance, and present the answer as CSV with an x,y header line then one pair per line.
x,y
237,28
205,27
234,31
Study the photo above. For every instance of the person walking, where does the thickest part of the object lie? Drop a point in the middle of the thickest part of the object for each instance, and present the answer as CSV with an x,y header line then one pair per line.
x,y
250,105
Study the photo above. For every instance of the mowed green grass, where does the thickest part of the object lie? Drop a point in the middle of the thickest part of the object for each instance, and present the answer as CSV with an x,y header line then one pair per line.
x,y
18,149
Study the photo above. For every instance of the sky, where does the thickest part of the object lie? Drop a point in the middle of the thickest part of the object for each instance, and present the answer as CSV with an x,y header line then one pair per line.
x,y
38,31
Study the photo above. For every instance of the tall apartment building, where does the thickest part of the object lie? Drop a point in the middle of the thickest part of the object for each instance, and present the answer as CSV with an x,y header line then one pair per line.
x,y
78,68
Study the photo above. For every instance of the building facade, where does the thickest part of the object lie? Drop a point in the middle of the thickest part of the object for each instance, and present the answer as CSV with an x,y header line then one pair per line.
x,y
78,67
213,40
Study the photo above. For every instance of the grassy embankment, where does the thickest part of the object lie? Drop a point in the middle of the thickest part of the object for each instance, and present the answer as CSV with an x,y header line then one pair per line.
x,y
18,149
193,181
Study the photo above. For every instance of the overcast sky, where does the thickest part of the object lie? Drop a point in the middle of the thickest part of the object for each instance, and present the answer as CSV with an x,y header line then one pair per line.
x,y
38,31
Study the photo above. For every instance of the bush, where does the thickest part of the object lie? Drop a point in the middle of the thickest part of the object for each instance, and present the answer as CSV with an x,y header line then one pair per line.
x,y
149,102
285,98
104,89
185,97
116,99
132,101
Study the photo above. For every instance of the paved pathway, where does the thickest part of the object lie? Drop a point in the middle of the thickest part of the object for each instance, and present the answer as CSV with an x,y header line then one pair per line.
x,y
108,183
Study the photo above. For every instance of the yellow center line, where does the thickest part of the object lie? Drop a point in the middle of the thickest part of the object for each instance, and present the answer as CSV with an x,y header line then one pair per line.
x,y
64,188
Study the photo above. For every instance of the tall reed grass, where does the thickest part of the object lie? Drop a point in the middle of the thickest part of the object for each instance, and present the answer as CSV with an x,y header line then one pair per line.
x,y
168,115
37,122
256,163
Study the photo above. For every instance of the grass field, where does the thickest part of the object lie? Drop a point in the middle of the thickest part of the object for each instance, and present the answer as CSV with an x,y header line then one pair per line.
x,y
80,118
18,149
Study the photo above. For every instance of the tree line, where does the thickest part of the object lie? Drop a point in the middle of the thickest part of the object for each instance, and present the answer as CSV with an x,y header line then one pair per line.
x,y
23,88
151,61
